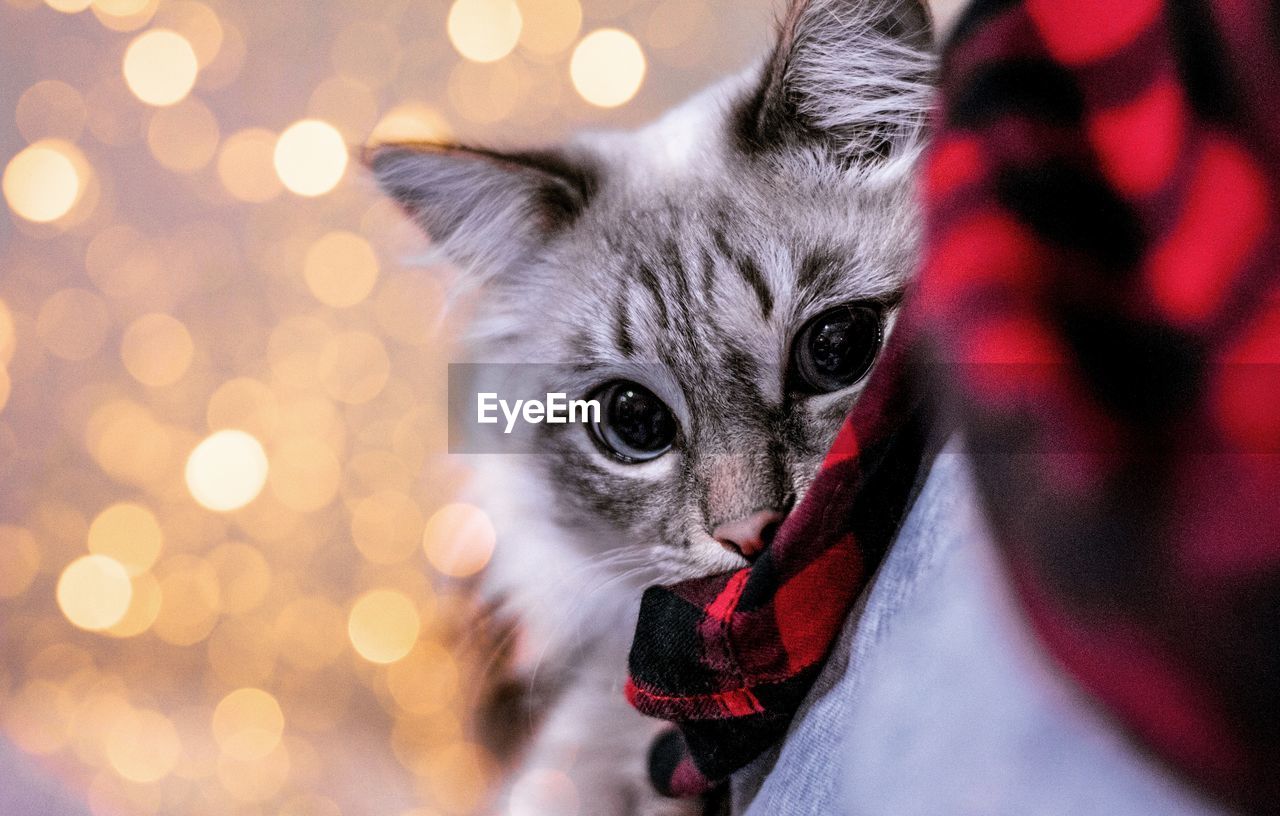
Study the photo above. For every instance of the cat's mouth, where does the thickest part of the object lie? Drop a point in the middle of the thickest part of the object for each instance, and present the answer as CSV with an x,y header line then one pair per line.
x,y
702,557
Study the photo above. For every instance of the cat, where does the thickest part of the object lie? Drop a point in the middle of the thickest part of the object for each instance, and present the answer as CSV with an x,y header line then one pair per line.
x,y
720,281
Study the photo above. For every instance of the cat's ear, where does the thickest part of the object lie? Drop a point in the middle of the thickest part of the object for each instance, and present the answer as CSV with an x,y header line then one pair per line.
x,y
856,75
483,208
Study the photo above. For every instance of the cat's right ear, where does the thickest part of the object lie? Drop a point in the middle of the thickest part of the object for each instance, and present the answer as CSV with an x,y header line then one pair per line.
x,y
485,209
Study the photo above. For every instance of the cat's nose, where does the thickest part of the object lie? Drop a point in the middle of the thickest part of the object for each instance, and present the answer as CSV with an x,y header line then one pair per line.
x,y
749,535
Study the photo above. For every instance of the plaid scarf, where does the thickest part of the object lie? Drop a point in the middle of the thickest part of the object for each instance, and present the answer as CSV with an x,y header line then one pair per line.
x,y
1102,284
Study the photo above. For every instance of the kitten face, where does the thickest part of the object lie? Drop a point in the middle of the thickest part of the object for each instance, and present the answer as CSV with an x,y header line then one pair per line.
x,y
701,266
697,288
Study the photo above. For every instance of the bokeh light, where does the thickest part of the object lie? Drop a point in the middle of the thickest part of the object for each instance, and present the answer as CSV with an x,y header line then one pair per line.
x,y
550,26
387,527
310,157
246,165
160,67
41,183
94,592
51,109
383,625
608,67
124,15
156,349
143,746
248,724
341,269
459,540
484,30
73,324
232,565
183,137
197,23
411,122
68,6
128,533
19,560
354,367
367,52
189,605
144,608
227,470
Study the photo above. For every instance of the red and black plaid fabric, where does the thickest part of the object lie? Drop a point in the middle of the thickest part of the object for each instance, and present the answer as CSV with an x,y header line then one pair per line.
x,y
1102,299
1103,285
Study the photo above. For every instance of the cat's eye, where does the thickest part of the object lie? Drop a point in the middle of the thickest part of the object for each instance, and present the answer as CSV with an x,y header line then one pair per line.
x,y
635,426
836,349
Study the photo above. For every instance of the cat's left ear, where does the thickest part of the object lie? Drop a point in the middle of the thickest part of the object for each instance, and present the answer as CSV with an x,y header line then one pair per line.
x,y
854,75
487,210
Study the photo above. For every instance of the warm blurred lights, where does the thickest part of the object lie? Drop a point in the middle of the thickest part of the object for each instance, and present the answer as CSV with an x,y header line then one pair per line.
x,y
129,533
347,104
246,166
121,8
19,560
459,540
94,592
248,724
244,577
313,627
550,26
197,23
143,746
354,367
304,473
144,608
244,403
270,366
254,780
157,349
383,625
294,349
125,439
341,269
411,122
425,681
387,527
485,94
183,137
8,335
51,109
227,470
121,262
607,67
368,52
484,30
68,6
41,182
457,775
189,603
160,67
310,157
36,718
124,15
72,324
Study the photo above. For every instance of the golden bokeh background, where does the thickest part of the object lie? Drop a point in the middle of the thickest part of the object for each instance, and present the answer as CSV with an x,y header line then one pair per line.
x,y
234,568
